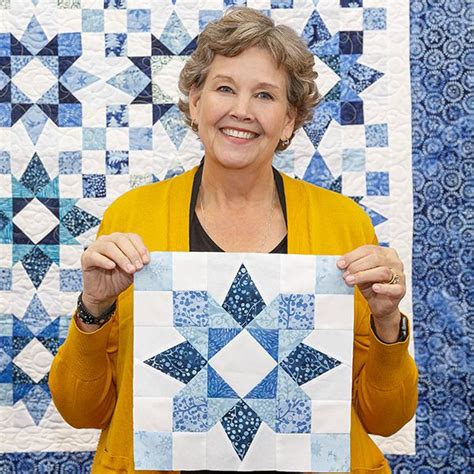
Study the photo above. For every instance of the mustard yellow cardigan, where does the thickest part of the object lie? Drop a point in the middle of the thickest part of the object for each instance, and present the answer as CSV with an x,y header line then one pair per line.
x,y
91,376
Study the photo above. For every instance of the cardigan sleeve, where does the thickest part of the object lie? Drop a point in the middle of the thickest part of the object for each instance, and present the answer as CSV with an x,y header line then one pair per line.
x,y
385,391
82,374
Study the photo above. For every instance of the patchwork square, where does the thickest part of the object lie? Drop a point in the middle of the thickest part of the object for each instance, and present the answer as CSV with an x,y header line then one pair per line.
x,y
117,115
377,183
138,20
69,44
93,185
376,135
92,21
375,19
141,138
4,162
240,367
116,162
93,138
70,162
115,44
351,42
70,115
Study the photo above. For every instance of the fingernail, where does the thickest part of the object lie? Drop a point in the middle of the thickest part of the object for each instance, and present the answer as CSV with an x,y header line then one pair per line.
x,y
345,274
130,268
341,263
376,287
138,264
350,279
146,258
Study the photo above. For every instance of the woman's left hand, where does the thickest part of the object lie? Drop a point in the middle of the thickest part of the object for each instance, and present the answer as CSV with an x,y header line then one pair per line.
x,y
378,272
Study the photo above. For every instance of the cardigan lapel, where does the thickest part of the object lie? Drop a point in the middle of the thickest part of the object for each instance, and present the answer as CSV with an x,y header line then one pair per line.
x,y
300,223
179,202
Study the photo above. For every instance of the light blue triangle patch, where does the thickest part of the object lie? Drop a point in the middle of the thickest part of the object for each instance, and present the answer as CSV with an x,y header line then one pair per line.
x,y
34,121
131,81
20,191
18,96
51,62
34,37
217,408
268,317
19,251
219,317
75,79
52,251
51,190
65,238
36,317
175,36
288,389
51,96
265,409
4,79
288,340
173,124
65,205
19,62
347,93
196,387
197,336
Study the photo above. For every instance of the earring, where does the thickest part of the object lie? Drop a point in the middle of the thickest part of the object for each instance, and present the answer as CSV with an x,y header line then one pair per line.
x,y
285,142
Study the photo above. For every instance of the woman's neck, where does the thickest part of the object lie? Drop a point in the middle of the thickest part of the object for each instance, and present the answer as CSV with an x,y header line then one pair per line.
x,y
222,187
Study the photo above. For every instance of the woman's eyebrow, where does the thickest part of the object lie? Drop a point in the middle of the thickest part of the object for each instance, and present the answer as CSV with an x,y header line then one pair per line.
x,y
260,85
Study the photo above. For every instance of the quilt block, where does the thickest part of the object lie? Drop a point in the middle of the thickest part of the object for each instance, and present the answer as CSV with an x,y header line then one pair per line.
x,y
242,362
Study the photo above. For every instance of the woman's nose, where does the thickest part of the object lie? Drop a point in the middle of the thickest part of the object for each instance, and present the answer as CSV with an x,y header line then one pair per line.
x,y
242,108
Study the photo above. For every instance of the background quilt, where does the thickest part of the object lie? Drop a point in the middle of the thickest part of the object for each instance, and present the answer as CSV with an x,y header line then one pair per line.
x,y
87,110
236,355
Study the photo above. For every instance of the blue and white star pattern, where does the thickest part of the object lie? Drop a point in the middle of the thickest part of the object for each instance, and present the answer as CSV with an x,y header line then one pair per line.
x,y
251,375
87,110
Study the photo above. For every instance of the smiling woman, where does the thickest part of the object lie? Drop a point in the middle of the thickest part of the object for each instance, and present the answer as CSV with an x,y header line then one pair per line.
x,y
245,91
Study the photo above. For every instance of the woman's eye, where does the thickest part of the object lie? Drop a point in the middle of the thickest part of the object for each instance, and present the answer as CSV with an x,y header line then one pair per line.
x,y
224,89
265,95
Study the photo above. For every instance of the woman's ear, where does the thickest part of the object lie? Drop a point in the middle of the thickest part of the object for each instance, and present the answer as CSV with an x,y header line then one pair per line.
x,y
290,122
194,96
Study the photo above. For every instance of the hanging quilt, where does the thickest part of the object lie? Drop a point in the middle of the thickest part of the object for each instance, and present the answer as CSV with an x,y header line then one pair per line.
x,y
242,362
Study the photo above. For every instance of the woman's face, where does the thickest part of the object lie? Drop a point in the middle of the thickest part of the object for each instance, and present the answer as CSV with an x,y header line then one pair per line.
x,y
242,109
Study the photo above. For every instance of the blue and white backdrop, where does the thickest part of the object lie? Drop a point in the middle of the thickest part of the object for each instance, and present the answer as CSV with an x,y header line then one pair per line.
x,y
88,110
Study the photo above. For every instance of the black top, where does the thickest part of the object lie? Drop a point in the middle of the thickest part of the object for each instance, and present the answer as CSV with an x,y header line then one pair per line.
x,y
200,241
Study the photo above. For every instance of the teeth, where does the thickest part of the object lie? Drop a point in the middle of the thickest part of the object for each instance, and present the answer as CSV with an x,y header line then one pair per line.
x,y
237,133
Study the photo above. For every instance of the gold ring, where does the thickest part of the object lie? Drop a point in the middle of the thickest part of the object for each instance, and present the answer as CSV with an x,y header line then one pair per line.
x,y
395,280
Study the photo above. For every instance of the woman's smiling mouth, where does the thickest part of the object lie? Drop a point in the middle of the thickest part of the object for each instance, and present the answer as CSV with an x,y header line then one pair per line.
x,y
232,132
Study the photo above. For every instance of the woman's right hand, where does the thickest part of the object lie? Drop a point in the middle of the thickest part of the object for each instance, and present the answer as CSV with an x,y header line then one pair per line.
x,y
108,266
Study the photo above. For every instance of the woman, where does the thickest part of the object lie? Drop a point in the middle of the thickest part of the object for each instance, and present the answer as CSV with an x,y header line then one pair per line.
x,y
247,88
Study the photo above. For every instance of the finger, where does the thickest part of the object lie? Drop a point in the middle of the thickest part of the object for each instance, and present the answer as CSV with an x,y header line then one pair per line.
x,y
373,275
364,263
128,248
394,291
354,255
111,250
141,248
94,259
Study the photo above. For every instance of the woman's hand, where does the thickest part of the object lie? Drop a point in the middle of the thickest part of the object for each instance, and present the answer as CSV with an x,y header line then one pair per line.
x,y
108,266
378,272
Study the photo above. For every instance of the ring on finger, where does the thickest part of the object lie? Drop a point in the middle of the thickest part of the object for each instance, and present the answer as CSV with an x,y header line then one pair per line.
x,y
395,279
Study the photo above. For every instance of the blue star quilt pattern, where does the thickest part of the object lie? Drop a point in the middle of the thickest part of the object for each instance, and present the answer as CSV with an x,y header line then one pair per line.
x,y
88,110
242,362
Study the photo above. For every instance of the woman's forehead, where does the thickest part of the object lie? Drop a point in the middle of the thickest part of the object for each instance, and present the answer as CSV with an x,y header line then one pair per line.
x,y
252,63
